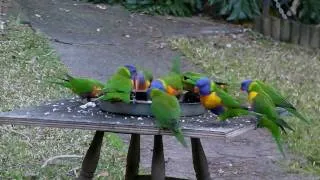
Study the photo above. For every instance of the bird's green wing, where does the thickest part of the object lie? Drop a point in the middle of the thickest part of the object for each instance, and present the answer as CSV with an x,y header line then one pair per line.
x,y
274,129
174,80
236,112
264,105
176,65
275,95
118,87
165,108
227,100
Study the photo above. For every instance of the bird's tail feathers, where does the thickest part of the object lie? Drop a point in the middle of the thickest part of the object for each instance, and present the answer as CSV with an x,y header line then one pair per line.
x,y
179,136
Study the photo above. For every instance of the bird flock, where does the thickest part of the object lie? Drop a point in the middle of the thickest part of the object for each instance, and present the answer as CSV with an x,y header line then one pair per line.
x,y
165,94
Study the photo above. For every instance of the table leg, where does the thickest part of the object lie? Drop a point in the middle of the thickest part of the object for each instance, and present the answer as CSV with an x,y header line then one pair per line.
x,y
158,166
200,164
90,161
133,158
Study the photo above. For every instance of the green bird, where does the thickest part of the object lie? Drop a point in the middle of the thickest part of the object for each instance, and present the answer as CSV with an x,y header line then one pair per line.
x,y
189,80
166,109
276,97
274,129
173,79
215,99
261,103
86,88
118,87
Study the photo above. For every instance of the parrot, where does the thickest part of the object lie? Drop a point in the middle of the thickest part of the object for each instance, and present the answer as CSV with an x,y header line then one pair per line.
x,y
140,77
119,86
263,104
276,97
86,88
189,80
215,99
172,80
166,110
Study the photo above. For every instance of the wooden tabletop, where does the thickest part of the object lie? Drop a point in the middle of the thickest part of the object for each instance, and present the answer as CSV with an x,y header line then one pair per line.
x,y
67,113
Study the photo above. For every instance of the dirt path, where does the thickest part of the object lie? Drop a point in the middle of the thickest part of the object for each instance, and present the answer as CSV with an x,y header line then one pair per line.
x,y
93,41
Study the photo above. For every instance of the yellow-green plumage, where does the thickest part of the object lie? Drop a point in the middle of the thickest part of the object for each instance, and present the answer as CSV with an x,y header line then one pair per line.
x,y
118,87
276,97
166,110
84,87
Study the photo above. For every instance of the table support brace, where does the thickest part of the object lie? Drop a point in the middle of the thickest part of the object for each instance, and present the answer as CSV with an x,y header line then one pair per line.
x,y
158,165
90,161
133,158
200,163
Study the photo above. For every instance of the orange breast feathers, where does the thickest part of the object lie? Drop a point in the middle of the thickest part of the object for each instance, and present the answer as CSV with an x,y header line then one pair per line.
x,y
96,91
211,101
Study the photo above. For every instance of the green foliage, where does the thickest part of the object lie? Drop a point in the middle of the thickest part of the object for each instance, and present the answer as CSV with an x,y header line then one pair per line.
x,y
162,7
310,12
236,10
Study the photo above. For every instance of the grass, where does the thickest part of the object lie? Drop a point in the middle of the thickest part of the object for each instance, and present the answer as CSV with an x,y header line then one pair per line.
x,y
26,59
294,70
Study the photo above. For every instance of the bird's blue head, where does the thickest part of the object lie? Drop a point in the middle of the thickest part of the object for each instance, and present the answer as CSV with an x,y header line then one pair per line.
x,y
245,85
203,86
156,84
132,69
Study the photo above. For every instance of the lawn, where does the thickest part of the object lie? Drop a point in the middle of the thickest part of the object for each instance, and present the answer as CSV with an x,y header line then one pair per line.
x,y
292,69
26,60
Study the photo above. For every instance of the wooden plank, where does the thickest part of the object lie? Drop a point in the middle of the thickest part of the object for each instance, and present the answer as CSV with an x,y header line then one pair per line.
x,y
275,28
285,30
90,161
266,26
158,165
68,114
295,32
304,35
315,37
258,24
200,163
266,8
133,157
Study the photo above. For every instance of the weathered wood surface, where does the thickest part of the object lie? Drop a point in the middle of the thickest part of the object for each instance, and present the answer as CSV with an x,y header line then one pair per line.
x,y
133,158
68,114
90,161
200,163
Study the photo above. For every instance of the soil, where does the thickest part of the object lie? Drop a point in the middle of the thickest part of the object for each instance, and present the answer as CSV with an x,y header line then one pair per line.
x,y
94,40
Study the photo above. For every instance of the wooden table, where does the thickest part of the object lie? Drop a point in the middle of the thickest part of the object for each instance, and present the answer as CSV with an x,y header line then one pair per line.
x,y
68,114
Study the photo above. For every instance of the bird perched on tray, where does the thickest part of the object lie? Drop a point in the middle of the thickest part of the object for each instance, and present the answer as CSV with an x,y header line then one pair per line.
x,y
189,80
86,88
140,77
261,103
275,96
118,87
217,100
172,82
166,110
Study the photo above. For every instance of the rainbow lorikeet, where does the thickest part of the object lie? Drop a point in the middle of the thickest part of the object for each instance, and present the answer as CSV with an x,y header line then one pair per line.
x,y
189,80
275,96
86,88
166,109
215,99
118,87
140,77
261,103
173,79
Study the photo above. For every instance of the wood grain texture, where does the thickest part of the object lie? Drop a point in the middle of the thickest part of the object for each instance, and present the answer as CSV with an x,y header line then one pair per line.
x,y
68,114
133,158
90,161
200,163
